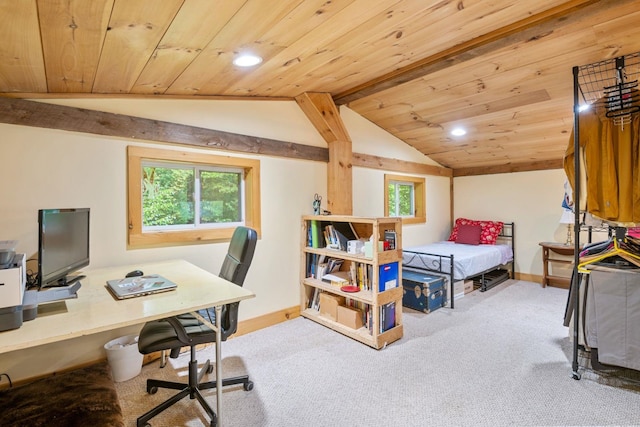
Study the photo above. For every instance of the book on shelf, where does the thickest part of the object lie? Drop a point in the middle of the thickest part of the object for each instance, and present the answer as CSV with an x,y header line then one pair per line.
x,y
337,234
387,316
312,264
353,274
334,239
338,278
315,234
314,303
346,229
390,240
334,264
345,232
316,265
360,275
307,272
321,270
388,276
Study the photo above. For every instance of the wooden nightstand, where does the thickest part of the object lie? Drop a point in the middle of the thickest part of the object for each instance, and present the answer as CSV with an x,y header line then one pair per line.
x,y
560,249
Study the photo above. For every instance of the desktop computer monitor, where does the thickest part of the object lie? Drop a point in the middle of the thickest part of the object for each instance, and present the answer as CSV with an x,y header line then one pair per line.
x,y
63,244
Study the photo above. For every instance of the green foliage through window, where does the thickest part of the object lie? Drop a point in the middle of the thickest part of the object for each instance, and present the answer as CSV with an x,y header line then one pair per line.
x,y
167,197
182,195
220,197
401,199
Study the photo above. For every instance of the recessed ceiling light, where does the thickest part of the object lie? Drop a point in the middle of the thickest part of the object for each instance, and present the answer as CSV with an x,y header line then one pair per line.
x,y
458,132
247,60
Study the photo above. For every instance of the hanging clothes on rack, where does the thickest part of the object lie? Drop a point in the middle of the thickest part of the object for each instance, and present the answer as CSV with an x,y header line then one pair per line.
x,y
619,254
610,160
602,162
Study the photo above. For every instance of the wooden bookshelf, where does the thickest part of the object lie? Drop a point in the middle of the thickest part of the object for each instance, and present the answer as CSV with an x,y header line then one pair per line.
x,y
369,298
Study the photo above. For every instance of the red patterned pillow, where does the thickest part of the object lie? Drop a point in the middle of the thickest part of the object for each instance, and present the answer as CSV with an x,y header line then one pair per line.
x,y
469,234
488,235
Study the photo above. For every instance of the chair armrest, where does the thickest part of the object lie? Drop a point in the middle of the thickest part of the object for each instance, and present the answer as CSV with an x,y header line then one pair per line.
x,y
181,332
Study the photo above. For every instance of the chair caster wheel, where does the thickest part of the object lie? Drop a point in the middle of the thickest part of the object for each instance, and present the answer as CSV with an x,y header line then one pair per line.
x,y
152,390
210,369
575,375
248,386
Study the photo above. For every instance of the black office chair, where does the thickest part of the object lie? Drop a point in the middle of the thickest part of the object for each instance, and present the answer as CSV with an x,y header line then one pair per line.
x,y
187,330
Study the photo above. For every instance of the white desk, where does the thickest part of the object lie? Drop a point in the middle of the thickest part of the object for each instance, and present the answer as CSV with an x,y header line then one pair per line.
x,y
95,310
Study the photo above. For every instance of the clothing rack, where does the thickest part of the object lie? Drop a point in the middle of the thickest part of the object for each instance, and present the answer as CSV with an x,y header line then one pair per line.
x,y
610,84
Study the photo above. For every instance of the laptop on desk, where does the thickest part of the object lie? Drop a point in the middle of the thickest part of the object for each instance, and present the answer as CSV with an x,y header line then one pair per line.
x,y
132,287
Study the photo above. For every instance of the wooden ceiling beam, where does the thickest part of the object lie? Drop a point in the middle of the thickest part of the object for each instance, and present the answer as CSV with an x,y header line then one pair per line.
x,y
50,116
82,95
325,117
395,165
509,168
525,29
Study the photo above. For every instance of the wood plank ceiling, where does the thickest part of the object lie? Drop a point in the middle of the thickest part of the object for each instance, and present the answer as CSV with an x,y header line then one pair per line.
x,y
417,68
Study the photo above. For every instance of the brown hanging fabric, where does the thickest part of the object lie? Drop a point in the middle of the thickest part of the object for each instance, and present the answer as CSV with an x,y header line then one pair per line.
x,y
609,134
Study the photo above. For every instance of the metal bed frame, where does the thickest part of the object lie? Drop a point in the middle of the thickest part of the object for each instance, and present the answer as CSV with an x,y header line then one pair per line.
x,y
436,263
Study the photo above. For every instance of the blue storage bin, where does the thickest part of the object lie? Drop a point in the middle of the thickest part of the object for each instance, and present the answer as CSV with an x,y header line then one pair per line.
x,y
423,292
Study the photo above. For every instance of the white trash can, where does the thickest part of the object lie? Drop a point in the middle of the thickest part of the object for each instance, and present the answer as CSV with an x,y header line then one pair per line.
x,y
124,358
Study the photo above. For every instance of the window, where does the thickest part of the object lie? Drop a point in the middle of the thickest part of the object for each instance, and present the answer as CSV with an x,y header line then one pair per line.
x,y
404,196
176,196
182,197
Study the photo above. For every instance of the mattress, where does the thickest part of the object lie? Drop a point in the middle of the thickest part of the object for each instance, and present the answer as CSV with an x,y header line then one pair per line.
x,y
468,260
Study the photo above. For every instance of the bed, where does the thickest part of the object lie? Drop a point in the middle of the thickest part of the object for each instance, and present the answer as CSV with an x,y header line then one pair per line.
x,y
488,263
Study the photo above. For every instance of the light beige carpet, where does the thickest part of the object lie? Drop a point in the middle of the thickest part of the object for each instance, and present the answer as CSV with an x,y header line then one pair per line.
x,y
501,358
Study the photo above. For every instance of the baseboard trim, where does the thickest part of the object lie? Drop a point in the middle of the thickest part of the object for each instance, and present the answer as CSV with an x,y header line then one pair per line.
x,y
529,277
245,327
270,319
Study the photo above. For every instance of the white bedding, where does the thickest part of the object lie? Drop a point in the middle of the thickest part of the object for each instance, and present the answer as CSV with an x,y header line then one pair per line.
x,y
468,260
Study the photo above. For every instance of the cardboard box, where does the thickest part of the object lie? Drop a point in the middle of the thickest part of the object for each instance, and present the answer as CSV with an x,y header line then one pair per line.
x,y
468,286
351,317
461,287
329,305
458,289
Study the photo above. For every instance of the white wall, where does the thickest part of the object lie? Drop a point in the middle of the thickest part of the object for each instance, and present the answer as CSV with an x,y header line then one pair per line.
x,y
530,199
368,184
44,168
52,169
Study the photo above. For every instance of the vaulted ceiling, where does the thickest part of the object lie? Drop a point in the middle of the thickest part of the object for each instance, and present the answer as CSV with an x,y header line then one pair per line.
x,y
502,69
